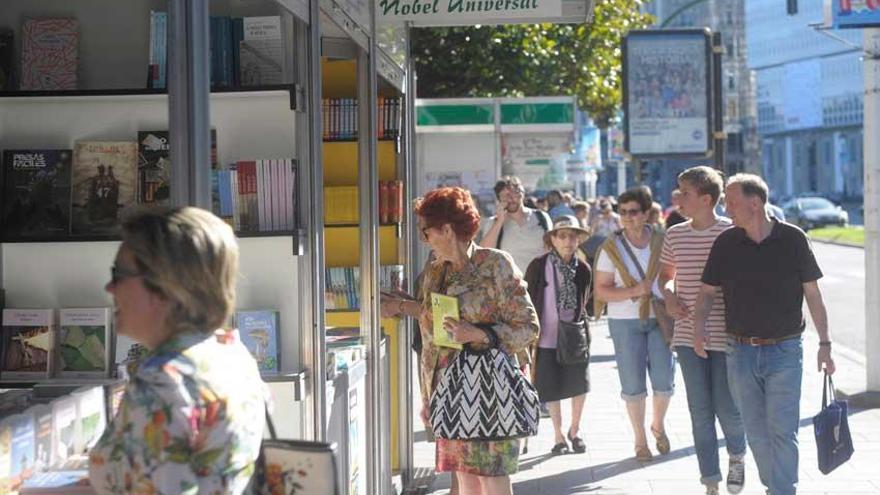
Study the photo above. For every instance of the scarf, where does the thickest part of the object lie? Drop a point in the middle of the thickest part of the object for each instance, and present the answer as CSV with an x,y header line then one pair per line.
x,y
609,248
566,291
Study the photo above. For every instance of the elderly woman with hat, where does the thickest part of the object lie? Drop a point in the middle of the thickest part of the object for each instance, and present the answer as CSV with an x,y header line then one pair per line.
x,y
559,283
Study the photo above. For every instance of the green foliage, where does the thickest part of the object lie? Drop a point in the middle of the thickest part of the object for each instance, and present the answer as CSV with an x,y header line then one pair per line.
x,y
531,60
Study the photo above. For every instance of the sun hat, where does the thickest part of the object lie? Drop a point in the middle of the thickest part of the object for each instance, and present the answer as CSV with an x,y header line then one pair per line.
x,y
569,222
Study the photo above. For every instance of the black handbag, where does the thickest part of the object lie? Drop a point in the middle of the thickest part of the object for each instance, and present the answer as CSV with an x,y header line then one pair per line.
x,y
572,337
482,395
833,440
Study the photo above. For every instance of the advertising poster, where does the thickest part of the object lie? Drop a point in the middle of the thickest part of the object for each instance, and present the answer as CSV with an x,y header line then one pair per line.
x,y
666,92
856,13
539,160
479,183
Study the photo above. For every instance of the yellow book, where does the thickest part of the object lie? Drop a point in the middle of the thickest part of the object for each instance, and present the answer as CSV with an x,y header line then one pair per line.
x,y
443,306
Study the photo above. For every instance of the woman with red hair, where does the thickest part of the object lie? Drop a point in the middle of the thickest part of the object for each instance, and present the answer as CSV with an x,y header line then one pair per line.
x,y
495,311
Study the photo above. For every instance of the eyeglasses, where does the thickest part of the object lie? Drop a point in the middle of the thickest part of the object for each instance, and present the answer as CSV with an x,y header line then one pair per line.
x,y
624,212
424,232
118,274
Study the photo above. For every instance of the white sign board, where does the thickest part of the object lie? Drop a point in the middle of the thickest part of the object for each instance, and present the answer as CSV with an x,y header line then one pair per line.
x,y
466,12
666,92
539,160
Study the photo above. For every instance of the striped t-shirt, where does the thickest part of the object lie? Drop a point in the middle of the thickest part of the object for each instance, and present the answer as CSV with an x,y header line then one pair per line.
x,y
687,250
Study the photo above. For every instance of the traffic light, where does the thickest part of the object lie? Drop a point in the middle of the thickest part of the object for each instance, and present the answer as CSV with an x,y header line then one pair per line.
x,y
791,7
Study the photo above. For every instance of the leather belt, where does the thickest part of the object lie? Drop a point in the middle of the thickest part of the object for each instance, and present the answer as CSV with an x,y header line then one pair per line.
x,y
758,341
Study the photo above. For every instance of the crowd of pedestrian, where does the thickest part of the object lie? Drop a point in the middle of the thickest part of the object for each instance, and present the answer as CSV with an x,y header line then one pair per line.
x,y
719,296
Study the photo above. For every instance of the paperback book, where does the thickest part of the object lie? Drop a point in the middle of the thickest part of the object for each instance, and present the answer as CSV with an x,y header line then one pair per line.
x,y
261,52
104,183
21,449
36,193
42,436
65,430
27,343
442,307
49,55
92,416
259,333
154,168
84,343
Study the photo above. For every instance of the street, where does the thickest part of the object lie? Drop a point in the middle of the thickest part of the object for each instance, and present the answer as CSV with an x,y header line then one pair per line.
x,y
843,288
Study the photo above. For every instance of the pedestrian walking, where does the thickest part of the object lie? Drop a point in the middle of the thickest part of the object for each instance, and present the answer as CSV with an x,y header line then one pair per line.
x,y
606,222
514,228
559,285
197,392
765,269
640,346
685,250
495,312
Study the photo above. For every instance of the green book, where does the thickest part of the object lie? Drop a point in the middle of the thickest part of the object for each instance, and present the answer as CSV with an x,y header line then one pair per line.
x,y
443,306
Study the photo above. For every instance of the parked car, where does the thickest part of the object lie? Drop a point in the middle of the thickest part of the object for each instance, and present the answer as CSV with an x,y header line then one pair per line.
x,y
814,211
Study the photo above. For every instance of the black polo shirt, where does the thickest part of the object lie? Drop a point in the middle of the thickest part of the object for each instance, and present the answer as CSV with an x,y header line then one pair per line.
x,y
762,282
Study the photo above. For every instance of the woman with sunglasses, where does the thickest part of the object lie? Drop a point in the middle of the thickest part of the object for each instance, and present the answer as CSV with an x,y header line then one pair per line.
x,y
626,280
192,415
495,311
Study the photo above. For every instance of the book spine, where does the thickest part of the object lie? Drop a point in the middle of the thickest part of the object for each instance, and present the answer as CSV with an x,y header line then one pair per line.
x,y
261,191
237,37
162,47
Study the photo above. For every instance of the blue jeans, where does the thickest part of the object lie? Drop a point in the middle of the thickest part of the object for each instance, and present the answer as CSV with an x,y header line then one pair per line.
x,y
766,384
639,347
708,396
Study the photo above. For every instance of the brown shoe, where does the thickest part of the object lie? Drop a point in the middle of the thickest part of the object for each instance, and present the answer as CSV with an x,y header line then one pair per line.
x,y
662,441
643,453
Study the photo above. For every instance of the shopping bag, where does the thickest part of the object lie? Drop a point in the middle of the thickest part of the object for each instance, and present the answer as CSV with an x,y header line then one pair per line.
x,y
295,466
831,428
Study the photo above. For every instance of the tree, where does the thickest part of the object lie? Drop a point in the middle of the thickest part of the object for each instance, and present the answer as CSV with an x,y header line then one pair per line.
x,y
530,60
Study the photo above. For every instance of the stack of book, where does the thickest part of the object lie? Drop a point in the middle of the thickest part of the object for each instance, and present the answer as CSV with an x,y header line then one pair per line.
x,y
340,117
257,195
343,285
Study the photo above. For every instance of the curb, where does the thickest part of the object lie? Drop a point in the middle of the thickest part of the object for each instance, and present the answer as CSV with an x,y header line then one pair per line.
x,y
836,243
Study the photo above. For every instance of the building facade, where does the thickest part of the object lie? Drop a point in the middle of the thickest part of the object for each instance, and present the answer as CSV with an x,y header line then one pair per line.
x,y
809,99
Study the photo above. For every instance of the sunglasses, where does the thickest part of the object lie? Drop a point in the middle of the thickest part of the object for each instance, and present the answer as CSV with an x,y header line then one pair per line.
x,y
118,274
624,212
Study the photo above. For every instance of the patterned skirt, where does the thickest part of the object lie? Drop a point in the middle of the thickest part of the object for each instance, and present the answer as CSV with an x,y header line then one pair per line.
x,y
477,457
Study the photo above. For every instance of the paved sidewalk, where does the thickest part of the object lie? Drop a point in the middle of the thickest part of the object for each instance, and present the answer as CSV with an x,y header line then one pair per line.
x,y
608,466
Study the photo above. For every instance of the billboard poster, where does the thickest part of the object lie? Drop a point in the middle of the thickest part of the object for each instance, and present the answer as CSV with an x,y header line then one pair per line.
x,y
615,145
855,13
666,88
539,160
480,183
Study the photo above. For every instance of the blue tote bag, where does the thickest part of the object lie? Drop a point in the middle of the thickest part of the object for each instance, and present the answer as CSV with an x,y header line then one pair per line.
x,y
831,428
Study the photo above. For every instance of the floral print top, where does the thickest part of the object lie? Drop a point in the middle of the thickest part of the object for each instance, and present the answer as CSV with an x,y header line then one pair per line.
x,y
191,421
490,290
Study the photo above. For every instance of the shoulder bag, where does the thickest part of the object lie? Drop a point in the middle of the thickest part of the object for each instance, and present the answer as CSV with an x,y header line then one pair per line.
x,y
572,337
831,428
664,321
482,395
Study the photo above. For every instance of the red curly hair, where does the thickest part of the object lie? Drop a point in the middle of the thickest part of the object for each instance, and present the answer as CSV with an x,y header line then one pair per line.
x,y
452,205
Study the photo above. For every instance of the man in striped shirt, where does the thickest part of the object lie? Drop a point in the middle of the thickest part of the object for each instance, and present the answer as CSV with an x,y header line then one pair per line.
x,y
683,258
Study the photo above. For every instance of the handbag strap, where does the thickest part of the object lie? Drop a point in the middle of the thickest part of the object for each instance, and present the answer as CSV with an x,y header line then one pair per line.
x,y
631,254
827,390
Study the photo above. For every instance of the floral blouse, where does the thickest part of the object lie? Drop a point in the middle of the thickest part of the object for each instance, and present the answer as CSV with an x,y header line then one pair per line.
x,y
191,421
490,290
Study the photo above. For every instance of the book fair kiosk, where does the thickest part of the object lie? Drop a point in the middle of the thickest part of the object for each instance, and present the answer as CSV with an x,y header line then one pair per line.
x,y
255,110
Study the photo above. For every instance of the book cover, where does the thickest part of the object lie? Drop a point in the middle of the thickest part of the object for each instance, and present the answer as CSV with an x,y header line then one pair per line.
x,y
36,193
68,482
42,414
443,306
104,183
261,52
27,343
154,168
49,55
21,453
65,429
259,333
92,413
84,338
7,59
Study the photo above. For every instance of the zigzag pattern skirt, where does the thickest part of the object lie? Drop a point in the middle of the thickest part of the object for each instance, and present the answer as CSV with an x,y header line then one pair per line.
x,y
477,457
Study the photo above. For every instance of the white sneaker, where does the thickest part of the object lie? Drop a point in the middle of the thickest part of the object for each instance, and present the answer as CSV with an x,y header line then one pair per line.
x,y
736,476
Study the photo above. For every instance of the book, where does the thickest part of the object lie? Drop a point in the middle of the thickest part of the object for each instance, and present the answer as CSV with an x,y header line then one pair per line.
x,y
42,414
104,183
36,193
21,452
27,343
5,455
84,343
7,50
442,307
261,51
91,412
259,333
154,168
49,55
65,429
158,48
68,482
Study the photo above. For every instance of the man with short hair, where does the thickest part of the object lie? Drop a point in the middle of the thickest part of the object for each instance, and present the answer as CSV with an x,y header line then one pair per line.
x,y
765,269
515,228
684,254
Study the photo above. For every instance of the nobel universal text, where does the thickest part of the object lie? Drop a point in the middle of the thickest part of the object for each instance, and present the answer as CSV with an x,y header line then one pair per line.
x,y
426,7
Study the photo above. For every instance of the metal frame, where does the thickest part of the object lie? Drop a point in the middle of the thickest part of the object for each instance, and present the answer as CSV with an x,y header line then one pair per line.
x,y
656,33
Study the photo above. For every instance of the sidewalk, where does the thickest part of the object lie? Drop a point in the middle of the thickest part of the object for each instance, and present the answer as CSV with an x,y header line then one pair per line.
x,y
608,466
